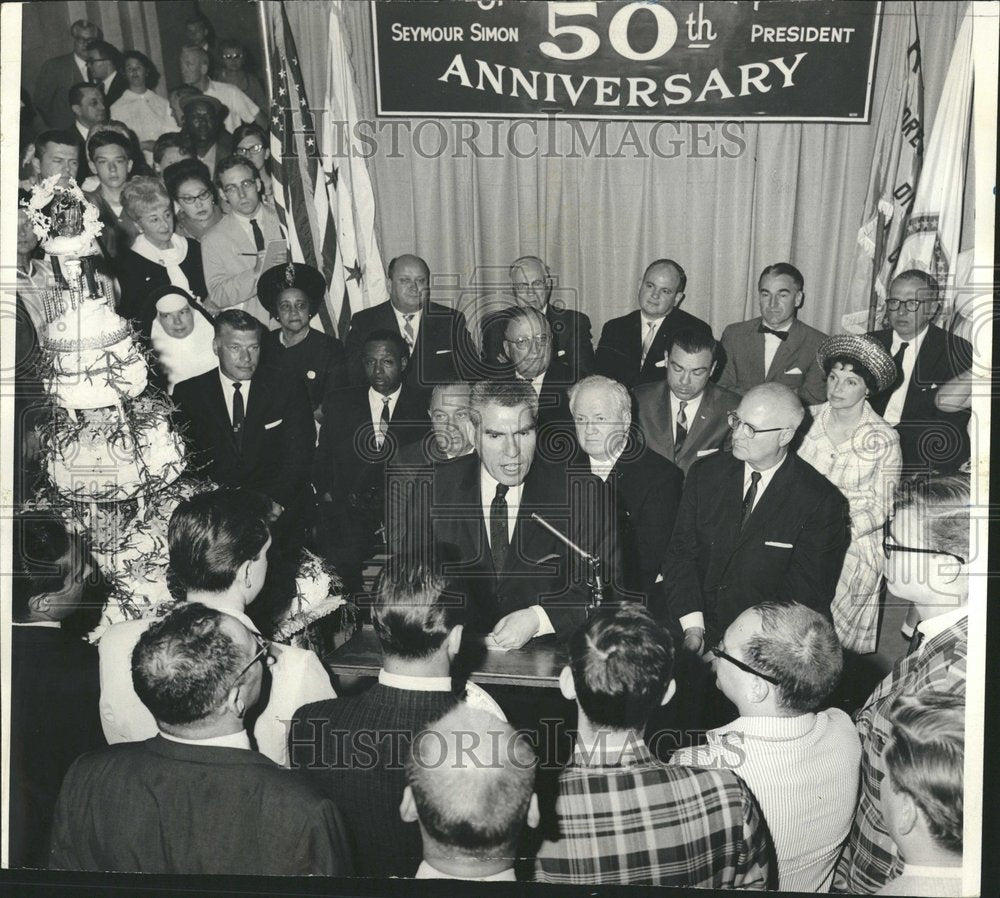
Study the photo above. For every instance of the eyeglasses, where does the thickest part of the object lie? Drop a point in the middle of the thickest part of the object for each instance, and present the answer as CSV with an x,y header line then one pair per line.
x,y
911,305
719,653
535,285
242,187
264,647
255,148
736,425
523,343
890,547
197,198
232,55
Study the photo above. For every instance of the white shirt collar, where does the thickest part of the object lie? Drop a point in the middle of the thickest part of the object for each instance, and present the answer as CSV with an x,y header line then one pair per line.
x,y
603,469
690,410
426,871
414,684
936,625
233,740
107,82
83,133
913,345
227,384
239,615
375,400
488,489
648,321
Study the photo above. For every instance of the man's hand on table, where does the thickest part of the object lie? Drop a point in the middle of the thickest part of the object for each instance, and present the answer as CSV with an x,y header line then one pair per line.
x,y
516,629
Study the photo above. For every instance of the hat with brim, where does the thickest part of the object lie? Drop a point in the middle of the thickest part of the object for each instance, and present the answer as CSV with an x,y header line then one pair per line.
x,y
866,350
220,110
293,275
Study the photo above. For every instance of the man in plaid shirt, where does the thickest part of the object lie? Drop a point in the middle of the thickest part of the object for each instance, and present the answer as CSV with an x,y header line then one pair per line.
x,y
927,548
623,817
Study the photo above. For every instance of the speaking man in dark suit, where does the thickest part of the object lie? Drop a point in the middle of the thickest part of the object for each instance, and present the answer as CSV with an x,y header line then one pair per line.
x,y
251,426
54,687
758,524
776,347
644,489
195,798
926,357
685,417
571,340
58,74
515,578
631,347
441,349
363,429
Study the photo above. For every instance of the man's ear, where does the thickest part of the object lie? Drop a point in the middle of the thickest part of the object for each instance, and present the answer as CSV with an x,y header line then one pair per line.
x,y
534,817
678,299
801,299
908,814
454,640
711,369
40,603
566,685
404,360
215,346
408,807
128,167
758,690
243,572
669,694
235,700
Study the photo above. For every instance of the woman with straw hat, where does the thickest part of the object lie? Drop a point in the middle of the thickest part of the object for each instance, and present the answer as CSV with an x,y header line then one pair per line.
x,y
858,452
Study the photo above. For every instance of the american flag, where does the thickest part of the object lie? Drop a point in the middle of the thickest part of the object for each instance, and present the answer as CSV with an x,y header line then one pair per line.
x,y
327,208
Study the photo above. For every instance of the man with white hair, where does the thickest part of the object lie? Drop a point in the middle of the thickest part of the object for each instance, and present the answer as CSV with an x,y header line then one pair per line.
x,y
241,109
777,664
643,488
755,524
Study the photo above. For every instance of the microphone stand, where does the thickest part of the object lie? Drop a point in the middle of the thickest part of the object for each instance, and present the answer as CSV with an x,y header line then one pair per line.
x,y
595,583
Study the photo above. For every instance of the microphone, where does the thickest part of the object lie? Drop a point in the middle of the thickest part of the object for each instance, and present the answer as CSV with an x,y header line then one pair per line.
x,y
596,586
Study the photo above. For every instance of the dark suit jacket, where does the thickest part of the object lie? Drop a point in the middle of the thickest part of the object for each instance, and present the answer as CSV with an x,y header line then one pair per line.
x,y
792,547
571,338
138,277
55,690
118,232
707,433
348,466
620,348
643,492
744,362
166,807
537,569
319,361
114,91
278,434
55,78
928,438
443,353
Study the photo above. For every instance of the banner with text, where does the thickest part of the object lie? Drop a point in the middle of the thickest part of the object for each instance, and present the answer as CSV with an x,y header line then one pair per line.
x,y
782,60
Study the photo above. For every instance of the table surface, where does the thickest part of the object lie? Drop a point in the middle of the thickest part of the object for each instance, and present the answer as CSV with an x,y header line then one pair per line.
x,y
536,664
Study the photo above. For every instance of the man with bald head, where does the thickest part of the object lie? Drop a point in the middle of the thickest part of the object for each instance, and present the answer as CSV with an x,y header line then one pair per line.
x,y
241,109
532,285
755,524
441,349
632,346
471,788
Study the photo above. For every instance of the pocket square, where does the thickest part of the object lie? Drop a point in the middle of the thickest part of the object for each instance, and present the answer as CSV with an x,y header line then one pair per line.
x,y
795,370
273,424
662,363
702,452
775,545
443,352
561,352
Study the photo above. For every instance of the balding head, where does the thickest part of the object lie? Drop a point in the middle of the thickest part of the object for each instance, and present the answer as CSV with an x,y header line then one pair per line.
x,y
528,341
769,415
532,283
471,779
409,283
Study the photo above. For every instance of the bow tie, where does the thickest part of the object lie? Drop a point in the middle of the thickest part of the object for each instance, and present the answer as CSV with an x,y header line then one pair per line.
x,y
781,335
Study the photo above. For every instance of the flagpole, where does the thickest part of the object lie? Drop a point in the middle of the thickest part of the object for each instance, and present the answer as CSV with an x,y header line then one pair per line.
x,y
262,19
877,262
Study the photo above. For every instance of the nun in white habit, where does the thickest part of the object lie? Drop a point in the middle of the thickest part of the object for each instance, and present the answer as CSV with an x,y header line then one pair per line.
x,y
181,335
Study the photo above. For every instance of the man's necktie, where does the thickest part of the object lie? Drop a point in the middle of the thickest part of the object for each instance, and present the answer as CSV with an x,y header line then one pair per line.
x,y
239,413
749,498
781,335
647,341
898,360
916,640
499,541
383,423
258,234
682,429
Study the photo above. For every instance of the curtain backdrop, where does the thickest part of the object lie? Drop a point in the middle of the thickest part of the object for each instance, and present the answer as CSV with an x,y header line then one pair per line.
x,y
794,193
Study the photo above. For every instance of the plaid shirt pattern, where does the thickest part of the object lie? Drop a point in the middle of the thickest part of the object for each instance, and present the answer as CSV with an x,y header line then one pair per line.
x,y
870,860
642,822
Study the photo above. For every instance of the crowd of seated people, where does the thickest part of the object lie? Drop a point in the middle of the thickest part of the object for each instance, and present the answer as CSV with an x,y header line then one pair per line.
x,y
748,503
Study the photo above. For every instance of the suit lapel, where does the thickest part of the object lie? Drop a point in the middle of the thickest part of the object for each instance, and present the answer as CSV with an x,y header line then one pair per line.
x,y
218,408
924,365
665,420
253,425
786,350
768,504
705,409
